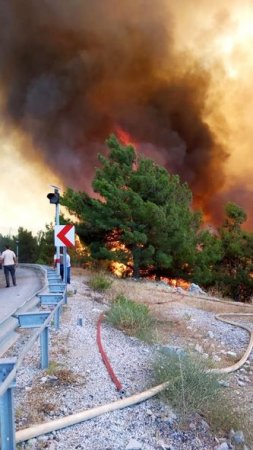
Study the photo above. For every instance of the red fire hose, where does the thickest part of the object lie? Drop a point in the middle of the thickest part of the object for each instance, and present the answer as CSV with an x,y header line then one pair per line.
x,y
105,357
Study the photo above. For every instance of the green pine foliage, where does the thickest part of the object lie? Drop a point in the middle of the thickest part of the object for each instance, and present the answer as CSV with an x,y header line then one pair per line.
x,y
235,271
147,210
143,206
27,245
225,259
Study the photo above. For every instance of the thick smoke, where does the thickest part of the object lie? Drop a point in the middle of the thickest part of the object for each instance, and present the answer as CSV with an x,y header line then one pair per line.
x,y
72,72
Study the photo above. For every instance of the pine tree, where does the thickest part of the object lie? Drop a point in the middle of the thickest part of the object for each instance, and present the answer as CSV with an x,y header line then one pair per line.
x,y
142,207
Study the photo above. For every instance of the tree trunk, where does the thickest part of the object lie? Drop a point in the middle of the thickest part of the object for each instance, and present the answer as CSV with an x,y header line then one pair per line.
x,y
136,270
136,263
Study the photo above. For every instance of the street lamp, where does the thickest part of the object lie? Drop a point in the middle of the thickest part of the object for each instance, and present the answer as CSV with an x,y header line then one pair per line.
x,y
54,198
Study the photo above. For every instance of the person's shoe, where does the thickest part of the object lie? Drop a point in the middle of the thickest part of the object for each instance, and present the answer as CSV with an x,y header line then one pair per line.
x,y
15,284
7,286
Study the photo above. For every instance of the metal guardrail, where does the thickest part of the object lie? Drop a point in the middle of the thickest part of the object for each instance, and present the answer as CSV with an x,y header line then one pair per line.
x,y
40,320
9,323
31,301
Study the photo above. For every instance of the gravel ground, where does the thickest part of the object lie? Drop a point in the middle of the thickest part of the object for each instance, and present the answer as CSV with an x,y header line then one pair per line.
x,y
83,383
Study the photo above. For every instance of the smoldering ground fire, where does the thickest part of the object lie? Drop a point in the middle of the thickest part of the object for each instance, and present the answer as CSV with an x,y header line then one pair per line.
x,y
73,72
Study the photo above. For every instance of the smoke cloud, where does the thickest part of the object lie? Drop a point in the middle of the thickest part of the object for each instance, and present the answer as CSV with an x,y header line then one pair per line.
x,y
171,74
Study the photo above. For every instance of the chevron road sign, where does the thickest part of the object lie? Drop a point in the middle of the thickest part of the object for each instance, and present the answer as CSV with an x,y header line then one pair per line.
x,y
64,235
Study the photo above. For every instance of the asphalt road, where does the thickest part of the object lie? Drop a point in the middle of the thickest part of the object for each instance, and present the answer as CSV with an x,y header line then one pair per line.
x,y
28,283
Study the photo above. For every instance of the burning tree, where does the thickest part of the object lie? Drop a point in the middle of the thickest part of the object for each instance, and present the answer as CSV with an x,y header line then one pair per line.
x,y
144,207
236,267
225,259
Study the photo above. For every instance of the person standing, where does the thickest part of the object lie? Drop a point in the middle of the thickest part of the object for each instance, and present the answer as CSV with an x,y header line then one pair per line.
x,y
9,260
68,266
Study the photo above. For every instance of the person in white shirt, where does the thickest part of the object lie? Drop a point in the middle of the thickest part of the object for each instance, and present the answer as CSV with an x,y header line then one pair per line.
x,y
68,263
61,261
8,259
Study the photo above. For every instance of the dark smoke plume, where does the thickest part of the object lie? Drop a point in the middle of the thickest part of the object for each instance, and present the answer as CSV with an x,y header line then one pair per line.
x,y
72,71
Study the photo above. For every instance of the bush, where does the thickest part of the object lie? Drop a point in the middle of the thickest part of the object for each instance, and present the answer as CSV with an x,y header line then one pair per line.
x,y
190,385
131,317
193,389
99,282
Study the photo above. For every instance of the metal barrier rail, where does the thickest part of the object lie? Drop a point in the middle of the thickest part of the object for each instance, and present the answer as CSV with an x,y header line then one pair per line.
x,y
56,297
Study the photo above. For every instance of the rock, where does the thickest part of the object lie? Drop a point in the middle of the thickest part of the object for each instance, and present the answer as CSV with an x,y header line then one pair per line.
x,y
42,438
170,420
210,334
179,290
52,378
133,444
237,438
231,354
195,289
171,350
43,379
164,446
223,446
224,383
52,446
205,425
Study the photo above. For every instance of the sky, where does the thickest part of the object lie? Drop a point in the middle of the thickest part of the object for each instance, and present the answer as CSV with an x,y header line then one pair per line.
x,y
176,77
23,196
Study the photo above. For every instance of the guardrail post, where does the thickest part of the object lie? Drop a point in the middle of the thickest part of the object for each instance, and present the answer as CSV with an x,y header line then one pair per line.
x,y
35,320
52,299
44,348
6,407
58,288
57,318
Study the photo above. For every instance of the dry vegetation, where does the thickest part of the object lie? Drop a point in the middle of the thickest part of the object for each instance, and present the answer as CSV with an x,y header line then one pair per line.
x,y
169,307
174,313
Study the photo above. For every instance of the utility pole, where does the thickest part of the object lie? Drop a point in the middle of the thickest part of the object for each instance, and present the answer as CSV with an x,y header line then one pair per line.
x,y
54,198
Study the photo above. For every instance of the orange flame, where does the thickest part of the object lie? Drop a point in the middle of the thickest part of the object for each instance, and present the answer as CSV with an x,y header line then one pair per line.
x,y
120,269
124,136
117,268
176,282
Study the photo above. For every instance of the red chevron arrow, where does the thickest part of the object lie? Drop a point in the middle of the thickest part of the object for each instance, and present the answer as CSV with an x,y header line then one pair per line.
x,y
62,235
